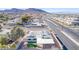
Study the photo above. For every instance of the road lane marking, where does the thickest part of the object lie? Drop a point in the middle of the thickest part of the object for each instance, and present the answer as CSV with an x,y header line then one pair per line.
x,y
77,43
53,22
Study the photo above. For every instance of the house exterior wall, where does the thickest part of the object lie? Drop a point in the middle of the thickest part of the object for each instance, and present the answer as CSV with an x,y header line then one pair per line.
x,y
47,46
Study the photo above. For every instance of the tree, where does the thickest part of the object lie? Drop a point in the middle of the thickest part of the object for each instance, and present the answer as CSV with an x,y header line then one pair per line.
x,y
25,18
16,33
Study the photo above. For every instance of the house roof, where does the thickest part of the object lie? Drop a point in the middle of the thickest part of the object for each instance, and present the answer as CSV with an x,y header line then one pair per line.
x,y
43,37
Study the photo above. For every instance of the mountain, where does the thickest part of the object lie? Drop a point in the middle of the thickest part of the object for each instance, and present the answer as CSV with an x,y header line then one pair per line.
x,y
33,10
29,10
13,10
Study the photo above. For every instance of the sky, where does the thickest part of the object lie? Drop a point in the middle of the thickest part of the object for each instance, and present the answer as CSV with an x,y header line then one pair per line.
x,y
65,10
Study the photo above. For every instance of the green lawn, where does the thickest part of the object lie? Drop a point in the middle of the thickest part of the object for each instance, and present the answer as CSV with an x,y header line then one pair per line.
x,y
31,45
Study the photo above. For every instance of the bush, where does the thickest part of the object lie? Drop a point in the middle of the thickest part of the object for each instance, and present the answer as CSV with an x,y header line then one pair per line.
x,y
3,40
13,46
18,23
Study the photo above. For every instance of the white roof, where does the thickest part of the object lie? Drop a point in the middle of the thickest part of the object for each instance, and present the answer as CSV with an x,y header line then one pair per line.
x,y
40,40
45,41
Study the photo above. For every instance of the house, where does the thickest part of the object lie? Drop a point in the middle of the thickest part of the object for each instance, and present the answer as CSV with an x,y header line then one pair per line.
x,y
43,39
13,22
75,21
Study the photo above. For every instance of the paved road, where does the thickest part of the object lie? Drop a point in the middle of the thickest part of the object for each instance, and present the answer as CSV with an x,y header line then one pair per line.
x,y
75,30
64,39
20,46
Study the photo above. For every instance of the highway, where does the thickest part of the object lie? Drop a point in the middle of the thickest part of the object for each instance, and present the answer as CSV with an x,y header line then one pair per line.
x,y
69,38
75,30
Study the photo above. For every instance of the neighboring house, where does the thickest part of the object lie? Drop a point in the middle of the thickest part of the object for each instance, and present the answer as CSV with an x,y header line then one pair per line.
x,y
68,20
42,38
13,22
75,22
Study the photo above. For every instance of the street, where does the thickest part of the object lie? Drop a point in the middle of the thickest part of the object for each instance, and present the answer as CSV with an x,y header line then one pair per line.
x,y
64,39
